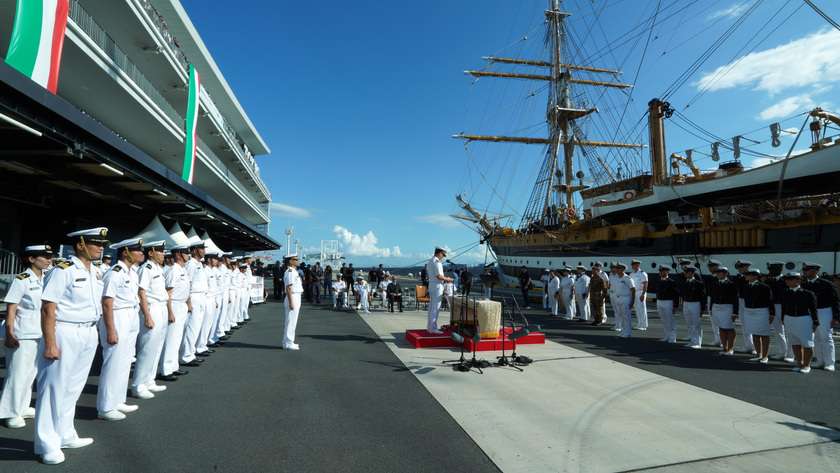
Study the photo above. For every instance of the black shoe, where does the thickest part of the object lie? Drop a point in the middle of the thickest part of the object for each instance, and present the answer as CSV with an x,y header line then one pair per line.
x,y
204,353
400,310
180,372
191,363
228,333
199,360
225,337
237,327
213,345
166,377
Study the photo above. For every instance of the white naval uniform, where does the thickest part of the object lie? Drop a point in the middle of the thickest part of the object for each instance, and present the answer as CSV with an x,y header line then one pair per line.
x,y
77,292
338,294
244,296
553,290
435,293
179,281
291,279
21,362
567,292
622,296
222,297
785,348
150,340
544,279
383,287
121,284
249,281
233,294
742,310
198,301
363,290
639,277
210,308
619,323
582,296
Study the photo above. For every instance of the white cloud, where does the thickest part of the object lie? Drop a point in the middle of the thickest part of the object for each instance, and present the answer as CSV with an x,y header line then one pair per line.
x,y
283,210
441,220
787,107
807,61
356,245
734,10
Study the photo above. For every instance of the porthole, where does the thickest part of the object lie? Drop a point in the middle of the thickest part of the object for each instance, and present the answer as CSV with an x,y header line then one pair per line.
x,y
790,265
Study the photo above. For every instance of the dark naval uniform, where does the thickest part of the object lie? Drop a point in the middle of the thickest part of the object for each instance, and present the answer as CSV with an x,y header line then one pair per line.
x,y
828,309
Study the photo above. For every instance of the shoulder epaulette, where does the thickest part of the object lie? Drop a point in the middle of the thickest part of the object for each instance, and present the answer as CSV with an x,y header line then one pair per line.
x,y
65,264
97,263
23,276
148,265
117,268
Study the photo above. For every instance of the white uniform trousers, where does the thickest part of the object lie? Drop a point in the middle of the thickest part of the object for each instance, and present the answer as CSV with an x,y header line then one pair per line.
x,y
785,349
488,292
621,307
149,347
116,359
604,309
566,293
291,320
193,326
715,326
219,330
243,304
583,305
234,303
210,311
546,302
641,312
174,337
60,383
666,315
555,303
748,341
823,343
434,311
21,369
692,312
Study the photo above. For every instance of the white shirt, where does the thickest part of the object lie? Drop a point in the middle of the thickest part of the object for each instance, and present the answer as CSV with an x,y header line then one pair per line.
x,y
153,282
384,285
178,279
220,283
212,282
198,278
638,278
292,278
544,279
77,291
553,286
435,284
362,288
25,290
582,283
121,284
622,285
338,285
567,284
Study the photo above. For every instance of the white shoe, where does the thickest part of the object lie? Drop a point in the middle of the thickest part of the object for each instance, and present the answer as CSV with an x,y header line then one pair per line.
x,y
829,367
617,329
53,458
367,311
663,339
156,389
28,413
358,306
695,347
15,422
82,442
788,359
292,347
142,395
797,369
672,341
805,370
127,408
111,415
777,357
436,332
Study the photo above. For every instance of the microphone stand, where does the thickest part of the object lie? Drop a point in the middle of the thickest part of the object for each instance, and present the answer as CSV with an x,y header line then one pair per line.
x,y
521,359
503,360
462,364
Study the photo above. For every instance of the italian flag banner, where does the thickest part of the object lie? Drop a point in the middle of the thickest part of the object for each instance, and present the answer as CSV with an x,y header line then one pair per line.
x,y
192,118
37,40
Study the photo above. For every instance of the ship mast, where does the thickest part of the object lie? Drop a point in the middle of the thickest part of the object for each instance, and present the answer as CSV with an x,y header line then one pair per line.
x,y
560,116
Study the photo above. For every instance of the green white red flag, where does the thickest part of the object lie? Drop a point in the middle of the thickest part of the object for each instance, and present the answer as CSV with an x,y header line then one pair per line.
x,y
192,118
37,40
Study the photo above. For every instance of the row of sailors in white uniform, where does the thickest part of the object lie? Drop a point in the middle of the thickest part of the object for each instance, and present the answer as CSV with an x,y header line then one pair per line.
x,y
363,291
163,315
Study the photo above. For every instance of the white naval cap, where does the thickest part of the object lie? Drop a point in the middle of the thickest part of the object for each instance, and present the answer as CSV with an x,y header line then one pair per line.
x,y
157,244
722,269
92,235
185,248
243,265
439,249
546,270
664,267
713,262
620,265
136,243
774,263
38,250
291,256
753,271
196,242
227,254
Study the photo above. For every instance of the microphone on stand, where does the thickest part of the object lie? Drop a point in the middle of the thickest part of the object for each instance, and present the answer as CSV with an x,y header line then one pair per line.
x,y
457,338
523,332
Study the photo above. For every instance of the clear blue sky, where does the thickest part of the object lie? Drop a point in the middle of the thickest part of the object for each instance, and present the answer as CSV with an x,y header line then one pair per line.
x,y
358,100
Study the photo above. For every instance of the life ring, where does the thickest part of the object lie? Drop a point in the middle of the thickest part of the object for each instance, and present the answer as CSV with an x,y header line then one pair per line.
x,y
629,195
570,213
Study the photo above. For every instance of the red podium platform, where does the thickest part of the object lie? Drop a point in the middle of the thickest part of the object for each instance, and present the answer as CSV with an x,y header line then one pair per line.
x,y
424,339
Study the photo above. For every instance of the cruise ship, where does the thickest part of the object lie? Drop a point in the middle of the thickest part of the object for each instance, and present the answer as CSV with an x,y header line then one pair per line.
x,y
136,124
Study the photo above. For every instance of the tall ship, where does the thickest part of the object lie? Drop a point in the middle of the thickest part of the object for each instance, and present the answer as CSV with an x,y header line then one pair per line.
x,y
600,199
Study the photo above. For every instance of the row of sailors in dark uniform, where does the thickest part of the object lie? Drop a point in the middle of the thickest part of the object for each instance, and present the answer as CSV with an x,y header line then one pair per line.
x,y
800,308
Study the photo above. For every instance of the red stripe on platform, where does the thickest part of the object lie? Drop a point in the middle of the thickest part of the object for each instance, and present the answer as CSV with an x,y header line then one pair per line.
x,y
424,339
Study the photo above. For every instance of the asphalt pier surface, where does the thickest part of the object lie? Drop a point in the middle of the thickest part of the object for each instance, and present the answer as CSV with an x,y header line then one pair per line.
x,y
358,397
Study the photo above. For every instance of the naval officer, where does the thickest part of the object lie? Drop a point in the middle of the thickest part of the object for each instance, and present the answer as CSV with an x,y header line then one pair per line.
x,y
553,290
759,313
23,332
71,305
723,307
582,293
624,291
778,285
667,300
178,284
294,288
828,311
693,295
801,319
436,282
740,280
709,280
154,316
198,300
640,279
118,329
